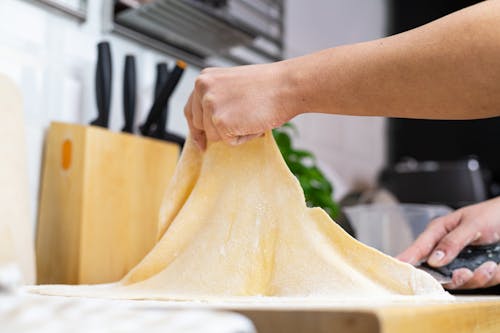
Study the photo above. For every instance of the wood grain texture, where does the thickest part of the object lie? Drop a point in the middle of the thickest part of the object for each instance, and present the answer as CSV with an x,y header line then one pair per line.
x,y
464,314
477,317
318,321
99,207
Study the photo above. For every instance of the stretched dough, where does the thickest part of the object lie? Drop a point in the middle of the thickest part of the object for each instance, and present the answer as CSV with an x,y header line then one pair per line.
x,y
234,223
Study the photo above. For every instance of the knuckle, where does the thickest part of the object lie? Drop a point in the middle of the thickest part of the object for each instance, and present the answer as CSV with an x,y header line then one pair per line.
x,y
222,122
416,250
219,120
202,83
451,244
208,103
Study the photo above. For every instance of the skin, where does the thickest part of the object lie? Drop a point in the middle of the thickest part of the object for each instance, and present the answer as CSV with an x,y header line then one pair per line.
x,y
448,69
446,236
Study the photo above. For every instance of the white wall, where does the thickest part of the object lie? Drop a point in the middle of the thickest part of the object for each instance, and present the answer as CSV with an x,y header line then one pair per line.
x,y
51,57
351,147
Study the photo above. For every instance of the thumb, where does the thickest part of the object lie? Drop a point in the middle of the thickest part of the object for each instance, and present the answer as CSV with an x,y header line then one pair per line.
x,y
242,139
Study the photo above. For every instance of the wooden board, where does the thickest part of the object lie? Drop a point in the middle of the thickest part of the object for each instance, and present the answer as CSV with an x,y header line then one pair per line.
x,y
465,315
16,229
100,198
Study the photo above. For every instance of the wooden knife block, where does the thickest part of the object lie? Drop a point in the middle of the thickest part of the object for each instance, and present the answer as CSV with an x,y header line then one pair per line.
x,y
99,202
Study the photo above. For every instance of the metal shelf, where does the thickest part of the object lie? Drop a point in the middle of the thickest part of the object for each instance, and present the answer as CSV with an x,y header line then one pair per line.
x,y
79,14
197,32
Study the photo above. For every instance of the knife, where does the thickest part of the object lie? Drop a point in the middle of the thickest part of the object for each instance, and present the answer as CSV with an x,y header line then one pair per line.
x,y
163,76
103,78
129,90
155,123
441,278
159,130
470,257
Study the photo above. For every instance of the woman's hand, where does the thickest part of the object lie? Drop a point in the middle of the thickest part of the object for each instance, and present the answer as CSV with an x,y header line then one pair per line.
x,y
446,236
239,103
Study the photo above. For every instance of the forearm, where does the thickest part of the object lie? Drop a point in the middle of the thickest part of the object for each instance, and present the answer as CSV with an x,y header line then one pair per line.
x,y
448,69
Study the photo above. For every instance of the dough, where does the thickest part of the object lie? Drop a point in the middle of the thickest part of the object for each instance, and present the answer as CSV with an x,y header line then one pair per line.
x,y
234,223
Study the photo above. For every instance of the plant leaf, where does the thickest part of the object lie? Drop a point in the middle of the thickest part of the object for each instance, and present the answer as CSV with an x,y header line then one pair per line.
x,y
302,163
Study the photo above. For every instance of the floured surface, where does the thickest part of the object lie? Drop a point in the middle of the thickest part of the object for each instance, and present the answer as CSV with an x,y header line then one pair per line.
x,y
21,312
234,223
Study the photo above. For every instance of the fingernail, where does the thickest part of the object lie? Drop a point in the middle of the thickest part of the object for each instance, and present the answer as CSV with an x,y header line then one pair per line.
x,y
436,257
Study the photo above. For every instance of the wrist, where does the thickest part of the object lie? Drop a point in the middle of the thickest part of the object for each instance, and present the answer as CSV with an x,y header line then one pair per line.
x,y
290,90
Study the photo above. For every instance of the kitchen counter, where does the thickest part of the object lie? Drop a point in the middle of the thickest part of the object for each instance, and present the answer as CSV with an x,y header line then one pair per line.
x,y
28,313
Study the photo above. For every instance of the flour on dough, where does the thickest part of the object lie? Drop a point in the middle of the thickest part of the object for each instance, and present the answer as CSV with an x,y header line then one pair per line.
x,y
234,223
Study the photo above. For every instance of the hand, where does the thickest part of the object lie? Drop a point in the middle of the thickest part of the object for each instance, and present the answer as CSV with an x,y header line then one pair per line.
x,y
237,104
446,236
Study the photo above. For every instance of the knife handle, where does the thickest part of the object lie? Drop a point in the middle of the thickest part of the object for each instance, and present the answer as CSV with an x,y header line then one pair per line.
x,y
103,84
161,77
129,89
162,99
171,137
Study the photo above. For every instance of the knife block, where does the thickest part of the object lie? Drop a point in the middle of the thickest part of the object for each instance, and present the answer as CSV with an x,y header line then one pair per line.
x,y
99,201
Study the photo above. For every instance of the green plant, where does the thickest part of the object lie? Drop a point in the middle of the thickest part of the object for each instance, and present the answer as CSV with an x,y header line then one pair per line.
x,y
302,163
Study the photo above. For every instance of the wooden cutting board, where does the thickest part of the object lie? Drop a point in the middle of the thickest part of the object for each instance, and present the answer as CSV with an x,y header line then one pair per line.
x,y
16,229
463,315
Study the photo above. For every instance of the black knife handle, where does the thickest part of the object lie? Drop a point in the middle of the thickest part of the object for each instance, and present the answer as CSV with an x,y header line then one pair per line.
x,y
171,137
162,99
470,257
103,79
157,129
129,89
161,77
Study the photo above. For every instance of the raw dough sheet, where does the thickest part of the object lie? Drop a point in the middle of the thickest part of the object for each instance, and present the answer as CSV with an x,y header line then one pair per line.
x,y
234,225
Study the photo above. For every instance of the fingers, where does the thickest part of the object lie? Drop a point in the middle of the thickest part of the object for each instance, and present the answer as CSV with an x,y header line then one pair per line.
x,y
451,244
460,276
242,139
199,111
225,105
495,279
486,275
425,243
209,127
197,135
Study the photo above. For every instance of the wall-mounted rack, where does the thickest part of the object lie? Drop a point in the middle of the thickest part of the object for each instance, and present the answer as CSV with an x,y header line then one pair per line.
x,y
236,32
74,8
